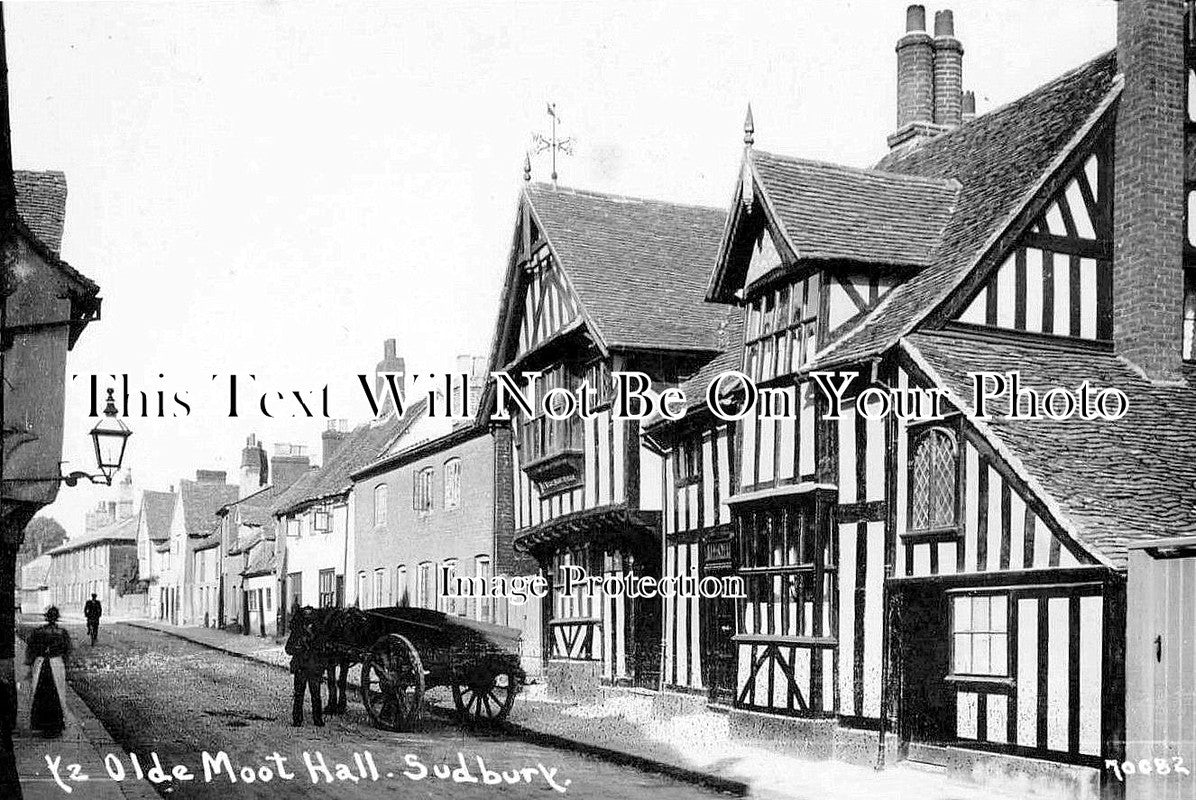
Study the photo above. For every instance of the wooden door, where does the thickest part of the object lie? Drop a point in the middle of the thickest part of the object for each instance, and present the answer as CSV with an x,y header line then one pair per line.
x,y
927,709
719,656
1160,659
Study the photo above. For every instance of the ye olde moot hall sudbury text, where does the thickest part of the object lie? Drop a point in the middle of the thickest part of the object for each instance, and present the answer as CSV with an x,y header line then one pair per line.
x,y
975,590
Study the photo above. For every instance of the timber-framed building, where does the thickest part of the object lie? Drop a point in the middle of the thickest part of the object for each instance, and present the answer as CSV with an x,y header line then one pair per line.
x,y
938,587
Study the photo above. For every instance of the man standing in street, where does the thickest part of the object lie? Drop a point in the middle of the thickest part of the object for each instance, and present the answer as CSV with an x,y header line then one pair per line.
x,y
92,610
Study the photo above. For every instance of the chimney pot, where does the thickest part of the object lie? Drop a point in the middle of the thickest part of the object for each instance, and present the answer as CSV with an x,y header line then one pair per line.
x,y
915,18
944,23
969,106
948,71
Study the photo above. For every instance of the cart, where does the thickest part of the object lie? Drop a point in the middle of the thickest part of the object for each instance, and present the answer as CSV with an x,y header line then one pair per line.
x,y
405,651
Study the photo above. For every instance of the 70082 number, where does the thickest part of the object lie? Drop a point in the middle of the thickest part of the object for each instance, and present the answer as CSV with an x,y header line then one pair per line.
x,y
1172,765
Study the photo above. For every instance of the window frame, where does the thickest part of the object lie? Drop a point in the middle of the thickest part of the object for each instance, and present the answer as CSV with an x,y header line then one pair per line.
x,y
1188,328
423,487
990,631
330,594
381,504
762,336
952,428
425,584
687,466
378,587
452,480
483,607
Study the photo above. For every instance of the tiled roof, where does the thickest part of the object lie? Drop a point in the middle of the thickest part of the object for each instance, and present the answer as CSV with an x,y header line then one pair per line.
x,y
121,531
35,574
730,337
1118,482
639,267
255,509
261,561
158,509
41,207
200,503
361,447
828,211
999,159
41,204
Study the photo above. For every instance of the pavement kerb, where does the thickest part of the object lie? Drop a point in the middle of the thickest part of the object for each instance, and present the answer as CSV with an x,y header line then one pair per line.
x,y
99,738
708,780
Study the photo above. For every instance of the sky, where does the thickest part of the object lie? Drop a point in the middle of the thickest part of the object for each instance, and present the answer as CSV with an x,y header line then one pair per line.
x,y
274,188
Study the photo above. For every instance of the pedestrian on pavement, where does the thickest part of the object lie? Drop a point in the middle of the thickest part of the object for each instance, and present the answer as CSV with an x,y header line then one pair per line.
x,y
92,610
307,665
44,653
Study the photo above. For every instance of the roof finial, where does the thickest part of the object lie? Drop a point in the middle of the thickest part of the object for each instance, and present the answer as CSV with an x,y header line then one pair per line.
x,y
527,167
749,128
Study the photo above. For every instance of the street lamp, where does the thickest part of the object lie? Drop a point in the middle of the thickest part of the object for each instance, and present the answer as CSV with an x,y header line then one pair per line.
x,y
110,435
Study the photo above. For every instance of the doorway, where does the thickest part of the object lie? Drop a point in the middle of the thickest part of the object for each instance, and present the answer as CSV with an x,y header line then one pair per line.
x,y
927,701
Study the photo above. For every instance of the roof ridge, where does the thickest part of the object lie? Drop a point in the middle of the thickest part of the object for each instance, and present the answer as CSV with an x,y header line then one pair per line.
x,y
623,198
945,183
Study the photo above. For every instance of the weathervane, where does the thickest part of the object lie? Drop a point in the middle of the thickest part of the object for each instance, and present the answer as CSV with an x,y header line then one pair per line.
x,y
553,144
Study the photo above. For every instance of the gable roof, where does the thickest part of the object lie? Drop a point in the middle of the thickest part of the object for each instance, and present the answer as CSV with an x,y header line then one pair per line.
x,y
254,509
200,503
1118,482
694,387
261,562
828,211
157,508
36,573
363,445
1001,160
638,266
122,531
41,204
41,212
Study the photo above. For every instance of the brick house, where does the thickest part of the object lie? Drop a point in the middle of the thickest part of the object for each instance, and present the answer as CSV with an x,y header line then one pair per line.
x,y
100,562
934,586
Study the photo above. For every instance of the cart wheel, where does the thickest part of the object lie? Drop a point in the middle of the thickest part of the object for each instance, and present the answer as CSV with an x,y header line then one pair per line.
x,y
392,683
485,697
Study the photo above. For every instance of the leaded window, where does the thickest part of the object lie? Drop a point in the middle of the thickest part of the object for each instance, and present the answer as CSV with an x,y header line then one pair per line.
x,y
933,480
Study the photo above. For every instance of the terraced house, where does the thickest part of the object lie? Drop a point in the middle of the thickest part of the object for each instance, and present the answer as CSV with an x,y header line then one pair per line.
x,y
936,586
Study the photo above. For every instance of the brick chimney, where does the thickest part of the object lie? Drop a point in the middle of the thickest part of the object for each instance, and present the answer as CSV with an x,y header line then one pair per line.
x,y
1148,185
915,70
968,107
289,464
948,71
255,468
390,363
124,507
332,438
929,79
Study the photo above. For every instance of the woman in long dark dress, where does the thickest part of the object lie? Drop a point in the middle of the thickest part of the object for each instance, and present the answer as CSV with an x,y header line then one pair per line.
x,y
45,652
